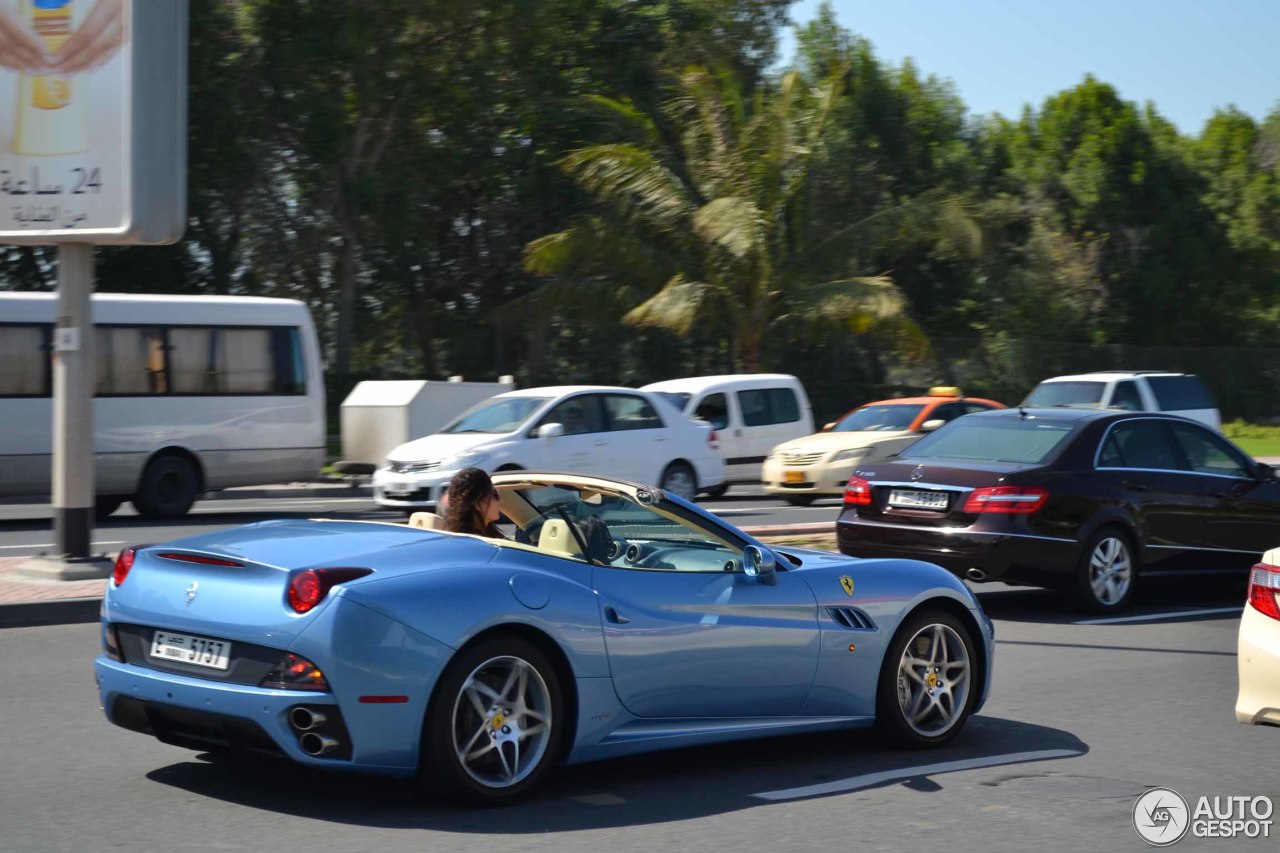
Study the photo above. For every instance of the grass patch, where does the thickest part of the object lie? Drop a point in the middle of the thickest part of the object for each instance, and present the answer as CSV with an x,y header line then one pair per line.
x,y
1254,439
1259,446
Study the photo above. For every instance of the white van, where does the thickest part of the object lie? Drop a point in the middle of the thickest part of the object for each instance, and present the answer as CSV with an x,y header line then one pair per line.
x,y
751,413
1131,390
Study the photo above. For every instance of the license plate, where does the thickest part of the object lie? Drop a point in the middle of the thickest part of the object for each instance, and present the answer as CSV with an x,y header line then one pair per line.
x,y
399,487
184,648
793,476
911,499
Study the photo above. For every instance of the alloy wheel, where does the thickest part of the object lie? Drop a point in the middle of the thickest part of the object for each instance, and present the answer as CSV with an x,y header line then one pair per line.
x,y
934,680
502,722
1110,571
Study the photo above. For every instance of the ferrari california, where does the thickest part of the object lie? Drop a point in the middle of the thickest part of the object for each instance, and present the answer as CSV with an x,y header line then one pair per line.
x,y
617,619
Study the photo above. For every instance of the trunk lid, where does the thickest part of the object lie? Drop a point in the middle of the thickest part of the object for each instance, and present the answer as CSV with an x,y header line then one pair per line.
x,y
931,494
245,597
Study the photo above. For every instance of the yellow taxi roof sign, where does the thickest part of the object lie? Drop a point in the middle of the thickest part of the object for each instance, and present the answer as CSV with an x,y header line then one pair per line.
x,y
945,391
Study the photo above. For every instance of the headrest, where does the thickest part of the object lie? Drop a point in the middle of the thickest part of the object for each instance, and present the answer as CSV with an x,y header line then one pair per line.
x,y
426,521
556,538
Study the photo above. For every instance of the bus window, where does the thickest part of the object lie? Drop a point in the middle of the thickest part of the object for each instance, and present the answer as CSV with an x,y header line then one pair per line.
x,y
130,361
191,360
245,362
24,361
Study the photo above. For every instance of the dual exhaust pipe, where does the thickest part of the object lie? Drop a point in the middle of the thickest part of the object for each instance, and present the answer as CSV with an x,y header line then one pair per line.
x,y
976,575
307,721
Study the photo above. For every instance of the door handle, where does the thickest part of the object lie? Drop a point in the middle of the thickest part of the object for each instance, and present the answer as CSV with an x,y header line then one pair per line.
x,y
659,438
614,616
600,442
1134,485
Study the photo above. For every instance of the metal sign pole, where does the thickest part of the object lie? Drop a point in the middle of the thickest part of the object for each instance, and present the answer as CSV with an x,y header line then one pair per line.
x,y
73,387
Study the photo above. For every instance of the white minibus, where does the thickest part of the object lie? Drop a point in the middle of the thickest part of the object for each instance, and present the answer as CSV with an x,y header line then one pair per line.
x,y
193,394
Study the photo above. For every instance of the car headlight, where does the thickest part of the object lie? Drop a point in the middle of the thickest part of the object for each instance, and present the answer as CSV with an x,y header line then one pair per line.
x,y
855,453
469,459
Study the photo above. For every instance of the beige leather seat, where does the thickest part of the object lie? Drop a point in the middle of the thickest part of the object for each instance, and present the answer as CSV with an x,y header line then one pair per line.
x,y
556,538
426,521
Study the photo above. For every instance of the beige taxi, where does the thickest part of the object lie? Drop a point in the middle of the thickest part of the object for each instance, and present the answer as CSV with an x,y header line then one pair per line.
x,y
804,469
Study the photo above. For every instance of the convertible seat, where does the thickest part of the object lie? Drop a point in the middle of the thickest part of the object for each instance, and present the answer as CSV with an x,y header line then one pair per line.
x,y
556,538
426,521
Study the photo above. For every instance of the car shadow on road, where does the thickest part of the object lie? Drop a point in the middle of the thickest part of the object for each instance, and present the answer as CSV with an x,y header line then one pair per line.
x,y
1163,597
656,788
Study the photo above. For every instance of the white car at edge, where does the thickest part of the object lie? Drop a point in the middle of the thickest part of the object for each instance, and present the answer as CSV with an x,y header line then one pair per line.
x,y
1258,655
590,429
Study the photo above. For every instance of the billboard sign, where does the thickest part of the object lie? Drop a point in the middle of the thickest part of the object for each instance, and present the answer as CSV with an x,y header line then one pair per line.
x,y
92,121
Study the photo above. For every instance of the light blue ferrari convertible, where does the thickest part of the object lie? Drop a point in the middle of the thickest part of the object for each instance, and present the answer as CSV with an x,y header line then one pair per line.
x,y
617,620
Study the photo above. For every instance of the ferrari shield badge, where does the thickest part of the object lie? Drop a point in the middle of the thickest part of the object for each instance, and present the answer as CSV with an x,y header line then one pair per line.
x,y
846,583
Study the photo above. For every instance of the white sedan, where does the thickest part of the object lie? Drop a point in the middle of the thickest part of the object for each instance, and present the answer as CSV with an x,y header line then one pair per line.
x,y
1258,656
612,432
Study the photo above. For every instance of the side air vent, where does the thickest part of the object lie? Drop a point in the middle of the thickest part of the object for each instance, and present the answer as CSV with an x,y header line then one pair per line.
x,y
851,618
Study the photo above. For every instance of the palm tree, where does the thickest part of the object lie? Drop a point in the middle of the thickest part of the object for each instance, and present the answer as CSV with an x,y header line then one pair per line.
x,y
703,221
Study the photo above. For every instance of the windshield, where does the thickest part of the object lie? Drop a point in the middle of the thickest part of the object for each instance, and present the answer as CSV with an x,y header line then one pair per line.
x,y
679,399
1028,441
498,415
624,519
886,418
1074,395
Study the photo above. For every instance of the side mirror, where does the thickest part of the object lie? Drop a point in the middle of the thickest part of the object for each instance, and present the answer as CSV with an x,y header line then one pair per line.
x,y
758,562
829,427
1266,472
930,426
546,432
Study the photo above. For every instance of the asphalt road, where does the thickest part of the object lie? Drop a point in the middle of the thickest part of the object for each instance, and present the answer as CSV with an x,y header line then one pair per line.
x,y
1082,719
25,529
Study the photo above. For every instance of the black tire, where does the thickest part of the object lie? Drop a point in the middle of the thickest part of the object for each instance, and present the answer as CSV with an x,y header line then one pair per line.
x,y
442,771
800,500
716,491
1102,557
105,505
933,730
168,487
678,479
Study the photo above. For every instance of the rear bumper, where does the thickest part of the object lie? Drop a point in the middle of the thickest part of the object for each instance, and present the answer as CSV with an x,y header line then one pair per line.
x,y
820,478
1258,662
1004,556
199,714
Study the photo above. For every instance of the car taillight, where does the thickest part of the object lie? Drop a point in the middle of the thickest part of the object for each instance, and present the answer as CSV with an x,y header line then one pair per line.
x,y
294,672
1014,500
1264,590
714,440
857,492
124,562
309,587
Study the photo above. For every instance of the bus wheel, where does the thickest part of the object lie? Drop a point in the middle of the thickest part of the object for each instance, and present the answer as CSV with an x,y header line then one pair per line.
x,y
168,488
104,505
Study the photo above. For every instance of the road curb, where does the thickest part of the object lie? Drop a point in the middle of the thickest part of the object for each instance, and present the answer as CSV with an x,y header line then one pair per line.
x,y
66,611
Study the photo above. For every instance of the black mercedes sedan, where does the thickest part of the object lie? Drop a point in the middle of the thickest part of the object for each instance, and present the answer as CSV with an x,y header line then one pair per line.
x,y
1084,500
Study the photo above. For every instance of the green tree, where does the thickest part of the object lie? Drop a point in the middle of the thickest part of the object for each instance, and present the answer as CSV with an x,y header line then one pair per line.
x,y
706,226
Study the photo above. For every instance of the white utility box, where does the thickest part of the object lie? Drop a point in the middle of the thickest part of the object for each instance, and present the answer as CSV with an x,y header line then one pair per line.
x,y
378,416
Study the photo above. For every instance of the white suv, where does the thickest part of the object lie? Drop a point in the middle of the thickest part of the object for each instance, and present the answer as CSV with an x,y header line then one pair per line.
x,y
1132,390
615,432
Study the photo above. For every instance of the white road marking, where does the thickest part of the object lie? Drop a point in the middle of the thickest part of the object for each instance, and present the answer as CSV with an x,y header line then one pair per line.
x,y
51,545
870,780
1151,617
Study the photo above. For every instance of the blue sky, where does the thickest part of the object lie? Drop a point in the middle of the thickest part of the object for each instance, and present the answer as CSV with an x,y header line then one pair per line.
x,y
1187,56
